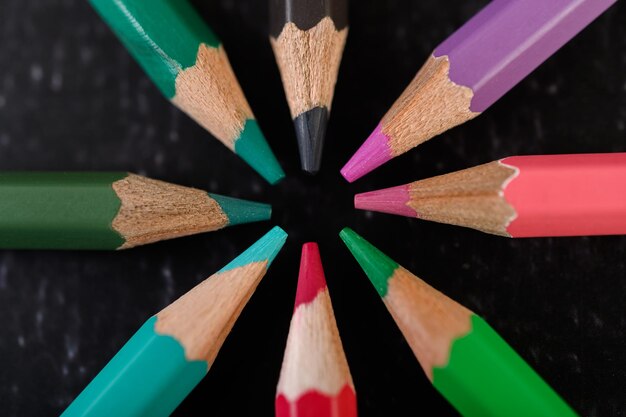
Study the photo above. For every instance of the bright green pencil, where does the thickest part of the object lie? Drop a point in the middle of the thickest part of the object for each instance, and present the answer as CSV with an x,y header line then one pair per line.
x,y
170,354
187,62
464,358
109,210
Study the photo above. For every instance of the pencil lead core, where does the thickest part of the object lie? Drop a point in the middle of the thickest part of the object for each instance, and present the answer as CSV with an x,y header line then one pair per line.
x,y
311,133
377,266
389,200
254,149
373,153
242,211
264,249
311,279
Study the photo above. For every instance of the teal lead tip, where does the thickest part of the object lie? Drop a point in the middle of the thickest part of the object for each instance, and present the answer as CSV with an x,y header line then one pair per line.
x,y
265,249
253,148
242,211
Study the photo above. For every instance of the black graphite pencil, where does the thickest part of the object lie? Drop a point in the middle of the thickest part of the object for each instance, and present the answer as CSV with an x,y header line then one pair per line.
x,y
308,37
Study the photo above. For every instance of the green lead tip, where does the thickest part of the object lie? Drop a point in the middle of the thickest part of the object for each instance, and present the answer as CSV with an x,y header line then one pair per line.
x,y
252,147
242,211
377,266
264,249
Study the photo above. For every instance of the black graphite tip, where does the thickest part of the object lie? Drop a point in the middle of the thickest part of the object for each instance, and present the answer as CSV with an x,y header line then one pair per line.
x,y
305,14
311,132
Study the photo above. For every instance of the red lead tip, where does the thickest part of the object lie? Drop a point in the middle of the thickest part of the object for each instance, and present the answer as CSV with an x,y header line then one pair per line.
x,y
311,279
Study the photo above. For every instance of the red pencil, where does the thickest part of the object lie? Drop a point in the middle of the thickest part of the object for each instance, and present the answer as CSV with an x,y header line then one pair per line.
x,y
315,379
520,196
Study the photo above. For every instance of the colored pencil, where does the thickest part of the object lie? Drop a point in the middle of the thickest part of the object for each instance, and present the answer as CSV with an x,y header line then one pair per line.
x,y
463,357
109,210
315,379
471,70
519,196
187,62
308,37
170,354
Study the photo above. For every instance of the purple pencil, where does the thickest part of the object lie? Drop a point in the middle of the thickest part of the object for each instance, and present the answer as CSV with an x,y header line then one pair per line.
x,y
471,70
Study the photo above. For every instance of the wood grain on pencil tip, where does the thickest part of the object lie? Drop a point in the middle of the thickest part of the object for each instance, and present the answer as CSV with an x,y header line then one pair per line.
x,y
171,353
188,63
109,210
308,39
519,196
315,379
471,70
463,357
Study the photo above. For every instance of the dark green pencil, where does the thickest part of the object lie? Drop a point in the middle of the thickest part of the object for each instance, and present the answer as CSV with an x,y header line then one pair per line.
x,y
109,210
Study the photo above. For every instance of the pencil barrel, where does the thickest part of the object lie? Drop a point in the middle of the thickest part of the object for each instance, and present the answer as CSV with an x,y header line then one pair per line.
x,y
162,35
485,377
149,376
59,210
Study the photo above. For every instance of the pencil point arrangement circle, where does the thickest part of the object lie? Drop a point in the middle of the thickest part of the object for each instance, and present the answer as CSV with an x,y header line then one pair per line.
x,y
469,363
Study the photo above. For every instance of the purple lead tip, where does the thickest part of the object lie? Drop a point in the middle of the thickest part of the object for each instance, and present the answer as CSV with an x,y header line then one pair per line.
x,y
373,153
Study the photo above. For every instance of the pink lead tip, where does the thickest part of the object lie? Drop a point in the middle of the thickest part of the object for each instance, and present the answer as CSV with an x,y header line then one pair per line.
x,y
373,153
390,200
311,279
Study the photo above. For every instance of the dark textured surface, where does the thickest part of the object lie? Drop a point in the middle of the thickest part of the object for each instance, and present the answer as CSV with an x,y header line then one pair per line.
x,y
306,14
72,98
311,133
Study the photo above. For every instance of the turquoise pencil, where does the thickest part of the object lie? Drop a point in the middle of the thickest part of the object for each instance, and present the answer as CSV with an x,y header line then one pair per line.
x,y
170,354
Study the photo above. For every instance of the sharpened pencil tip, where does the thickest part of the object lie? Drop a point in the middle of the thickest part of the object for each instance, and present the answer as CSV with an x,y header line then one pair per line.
x,y
374,152
253,148
377,266
311,279
389,200
242,211
311,132
264,249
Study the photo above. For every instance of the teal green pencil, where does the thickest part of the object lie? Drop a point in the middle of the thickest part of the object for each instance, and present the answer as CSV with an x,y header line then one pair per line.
x,y
109,210
169,355
187,62
464,358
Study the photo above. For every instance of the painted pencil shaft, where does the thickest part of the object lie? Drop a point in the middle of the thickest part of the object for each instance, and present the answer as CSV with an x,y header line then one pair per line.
x,y
471,70
465,359
188,64
169,355
308,38
149,376
315,379
109,210
520,196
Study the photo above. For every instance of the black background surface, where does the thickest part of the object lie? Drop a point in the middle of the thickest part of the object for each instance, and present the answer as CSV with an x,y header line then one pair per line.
x,y
71,98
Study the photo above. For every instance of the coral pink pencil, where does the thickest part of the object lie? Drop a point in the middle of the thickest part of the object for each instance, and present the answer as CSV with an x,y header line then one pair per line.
x,y
315,379
519,196
471,70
